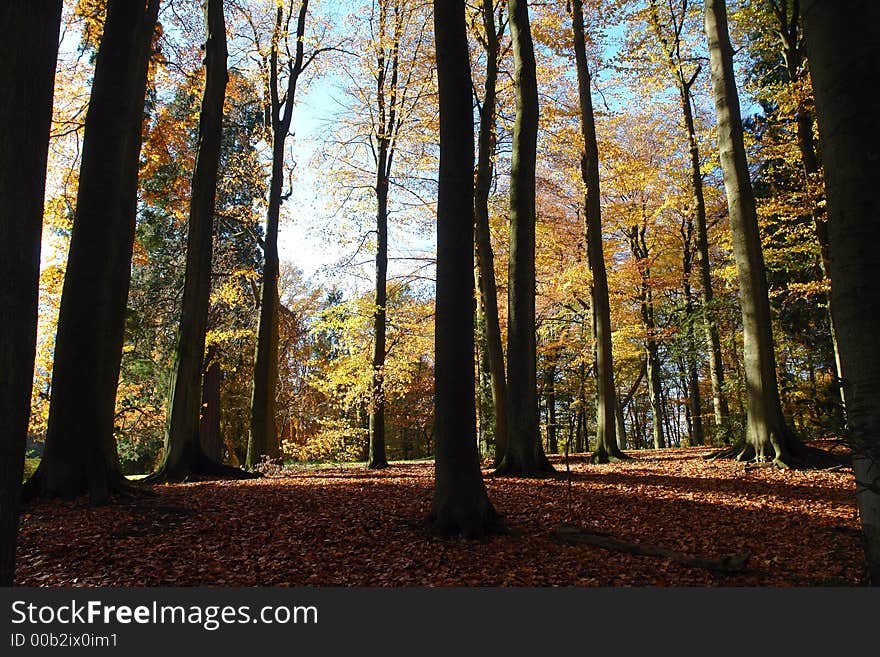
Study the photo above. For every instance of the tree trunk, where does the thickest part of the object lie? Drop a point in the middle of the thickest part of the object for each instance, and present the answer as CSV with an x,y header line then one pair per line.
x,y
845,80
209,421
766,428
263,437
183,454
27,74
485,258
606,448
461,504
80,454
792,53
550,396
524,455
672,47
376,457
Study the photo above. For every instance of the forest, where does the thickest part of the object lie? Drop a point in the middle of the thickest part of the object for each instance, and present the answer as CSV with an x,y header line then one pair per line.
x,y
462,293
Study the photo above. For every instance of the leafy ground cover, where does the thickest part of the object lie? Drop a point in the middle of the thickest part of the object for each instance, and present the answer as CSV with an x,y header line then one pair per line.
x,y
347,526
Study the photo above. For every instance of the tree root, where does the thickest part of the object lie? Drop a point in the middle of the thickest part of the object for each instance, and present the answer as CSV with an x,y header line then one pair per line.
x,y
100,487
598,458
202,468
537,468
573,535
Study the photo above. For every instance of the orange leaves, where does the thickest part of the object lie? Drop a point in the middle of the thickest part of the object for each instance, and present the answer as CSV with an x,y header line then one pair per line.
x,y
346,526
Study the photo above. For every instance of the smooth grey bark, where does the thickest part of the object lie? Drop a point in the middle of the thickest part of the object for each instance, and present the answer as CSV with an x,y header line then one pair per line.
x,y
671,44
27,74
524,455
183,456
767,435
486,143
606,447
263,436
80,454
461,504
845,79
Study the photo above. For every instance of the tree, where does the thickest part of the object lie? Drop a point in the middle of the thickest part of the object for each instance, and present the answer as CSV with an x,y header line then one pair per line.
x,y
461,504
669,34
766,428
524,454
263,437
80,453
844,82
183,454
27,73
606,440
486,141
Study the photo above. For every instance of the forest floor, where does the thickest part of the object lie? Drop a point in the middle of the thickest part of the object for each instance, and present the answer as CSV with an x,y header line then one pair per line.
x,y
348,526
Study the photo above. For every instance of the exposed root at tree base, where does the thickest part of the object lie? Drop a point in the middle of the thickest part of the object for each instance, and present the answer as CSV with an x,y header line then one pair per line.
x,y
538,467
202,468
573,535
472,525
798,456
598,458
100,489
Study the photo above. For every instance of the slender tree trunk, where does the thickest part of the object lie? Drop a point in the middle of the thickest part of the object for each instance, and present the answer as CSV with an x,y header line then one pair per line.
x,y
606,442
80,454
376,457
263,438
183,454
845,82
27,73
485,257
550,396
696,436
209,421
672,47
461,504
766,428
524,455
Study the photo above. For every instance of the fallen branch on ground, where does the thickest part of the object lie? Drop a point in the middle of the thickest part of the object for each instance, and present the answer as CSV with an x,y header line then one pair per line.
x,y
572,535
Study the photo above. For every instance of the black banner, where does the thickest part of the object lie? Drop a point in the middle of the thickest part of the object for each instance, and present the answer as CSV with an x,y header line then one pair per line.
x,y
221,621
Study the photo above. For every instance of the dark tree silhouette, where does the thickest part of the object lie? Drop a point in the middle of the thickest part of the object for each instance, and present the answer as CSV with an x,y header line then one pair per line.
x,y
461,504
80,454
27,73
843,40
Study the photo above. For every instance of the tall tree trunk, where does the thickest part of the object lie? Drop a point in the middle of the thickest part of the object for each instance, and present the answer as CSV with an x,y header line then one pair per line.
x,y
684,84
387,93
845,80
485,258
209,420
524,455
696,436
183,454
263,437
27,74
550,397
766,428
639,249
788,17
606,448
80,454
461,504
376,457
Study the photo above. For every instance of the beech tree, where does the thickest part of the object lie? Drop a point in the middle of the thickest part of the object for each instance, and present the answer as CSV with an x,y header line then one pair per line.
x,y
767,434
80,453
493,30
845,80
606,448
27,74
277,62
461,504
524,454
668,27
183,455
